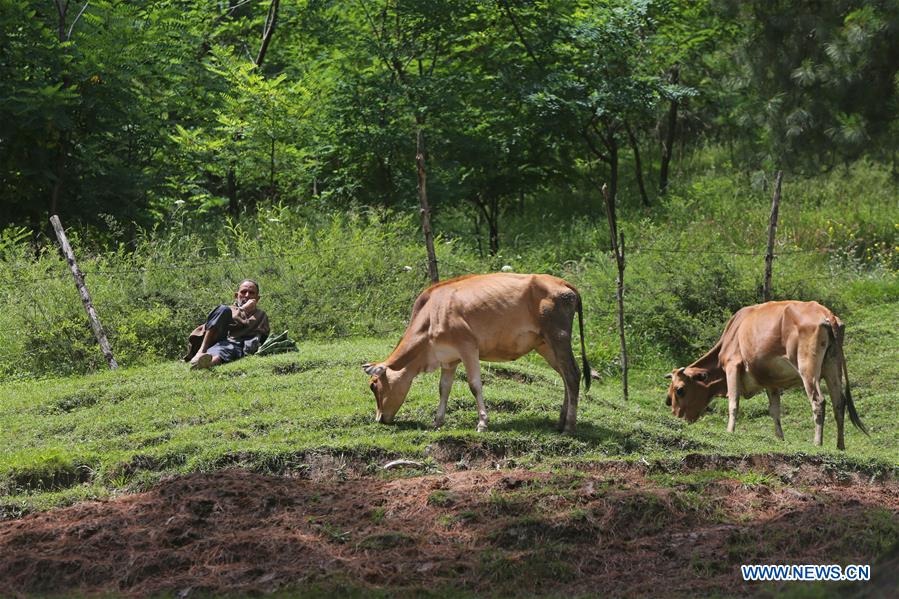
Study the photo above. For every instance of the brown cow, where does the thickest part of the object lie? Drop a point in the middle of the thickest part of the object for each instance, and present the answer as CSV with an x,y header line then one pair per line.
x,y
493,317
772,346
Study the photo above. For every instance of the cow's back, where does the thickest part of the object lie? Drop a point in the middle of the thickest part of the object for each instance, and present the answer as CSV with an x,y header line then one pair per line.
x,y
499,312
766,339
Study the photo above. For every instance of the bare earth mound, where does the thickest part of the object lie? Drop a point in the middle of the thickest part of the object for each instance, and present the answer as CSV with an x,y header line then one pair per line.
x,y
612,529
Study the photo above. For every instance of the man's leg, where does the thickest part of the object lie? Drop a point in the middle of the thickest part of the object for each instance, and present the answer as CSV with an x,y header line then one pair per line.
x,y
216,327
220,353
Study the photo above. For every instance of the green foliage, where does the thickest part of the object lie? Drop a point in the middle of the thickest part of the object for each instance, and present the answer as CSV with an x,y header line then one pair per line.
x,y
328,276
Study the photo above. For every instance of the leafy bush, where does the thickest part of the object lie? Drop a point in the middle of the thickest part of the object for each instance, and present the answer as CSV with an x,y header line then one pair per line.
x,y
692,261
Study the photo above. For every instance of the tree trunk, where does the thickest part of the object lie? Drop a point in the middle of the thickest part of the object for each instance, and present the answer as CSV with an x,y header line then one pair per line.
x,y
271,179
638,166
233,204
493,223
59,170
612,145
424,209
477,232
668,143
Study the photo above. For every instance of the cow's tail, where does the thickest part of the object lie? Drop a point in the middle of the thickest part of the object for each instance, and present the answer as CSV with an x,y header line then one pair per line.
x,y
586,365
837,330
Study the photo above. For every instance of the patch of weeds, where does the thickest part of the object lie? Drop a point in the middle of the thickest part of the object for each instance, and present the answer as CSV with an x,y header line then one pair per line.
x,y
468,516
332,532
377,515
12,510
295,367
753,479
451,520
697,503
386,540
446,520
524,533
504,405
233,374
441,498
507,504
699,481
53,473
706,568
880,530
631,516
534,570
744,545
84,398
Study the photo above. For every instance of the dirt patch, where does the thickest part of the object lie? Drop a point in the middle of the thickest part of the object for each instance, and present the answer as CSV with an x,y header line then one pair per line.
x,y
611,529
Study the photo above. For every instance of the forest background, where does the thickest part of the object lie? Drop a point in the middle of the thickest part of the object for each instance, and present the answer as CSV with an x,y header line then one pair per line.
x,y
186,145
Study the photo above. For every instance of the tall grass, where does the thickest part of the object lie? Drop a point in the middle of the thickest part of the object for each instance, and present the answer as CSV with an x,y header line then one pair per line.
x,y
692,259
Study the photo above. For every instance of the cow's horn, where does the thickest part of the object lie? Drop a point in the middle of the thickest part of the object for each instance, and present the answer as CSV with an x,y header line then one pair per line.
x,y
681,371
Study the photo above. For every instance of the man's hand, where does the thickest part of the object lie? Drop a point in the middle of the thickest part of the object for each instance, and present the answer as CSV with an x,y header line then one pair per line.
x,y
244,310
249,306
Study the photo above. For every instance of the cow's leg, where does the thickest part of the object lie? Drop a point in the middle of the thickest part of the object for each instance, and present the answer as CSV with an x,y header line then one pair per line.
x,y
810,358
732,374
571,376
473,372
557,317
813,390
546,351
774,410
447,373
830,371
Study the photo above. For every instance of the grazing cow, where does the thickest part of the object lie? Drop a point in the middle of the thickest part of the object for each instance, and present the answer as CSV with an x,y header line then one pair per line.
x,y
772,346
493,317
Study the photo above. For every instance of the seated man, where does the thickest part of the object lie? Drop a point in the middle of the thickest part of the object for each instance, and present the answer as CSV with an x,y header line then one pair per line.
x,y
230,332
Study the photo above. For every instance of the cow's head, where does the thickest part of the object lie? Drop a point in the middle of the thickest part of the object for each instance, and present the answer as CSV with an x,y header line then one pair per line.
x,y
688,394
390,389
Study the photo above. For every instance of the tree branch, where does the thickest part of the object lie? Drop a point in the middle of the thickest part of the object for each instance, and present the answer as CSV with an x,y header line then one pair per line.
x,y
271,20
520,34
78,16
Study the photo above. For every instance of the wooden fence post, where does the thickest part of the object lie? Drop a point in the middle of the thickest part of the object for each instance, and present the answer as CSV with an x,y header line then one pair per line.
x,y
618,250
424,209
772,230
82,290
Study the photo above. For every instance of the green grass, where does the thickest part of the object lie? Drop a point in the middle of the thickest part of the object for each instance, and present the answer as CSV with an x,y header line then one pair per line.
x,y
67,439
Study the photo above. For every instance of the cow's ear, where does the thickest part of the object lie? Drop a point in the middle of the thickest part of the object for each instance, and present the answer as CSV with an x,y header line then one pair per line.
x,y
702,376
669,375
374,369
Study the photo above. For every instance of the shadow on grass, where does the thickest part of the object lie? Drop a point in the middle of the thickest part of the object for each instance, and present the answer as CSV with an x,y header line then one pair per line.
x,y
593,435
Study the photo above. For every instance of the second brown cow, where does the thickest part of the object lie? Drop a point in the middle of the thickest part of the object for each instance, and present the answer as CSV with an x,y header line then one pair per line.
x,y
493,317
772,346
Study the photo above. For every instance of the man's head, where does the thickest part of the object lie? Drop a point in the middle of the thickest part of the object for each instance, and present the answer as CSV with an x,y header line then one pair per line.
x,y
246,291
688,394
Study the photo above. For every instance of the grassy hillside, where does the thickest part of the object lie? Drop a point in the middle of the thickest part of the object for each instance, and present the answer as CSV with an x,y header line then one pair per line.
x,y
67,439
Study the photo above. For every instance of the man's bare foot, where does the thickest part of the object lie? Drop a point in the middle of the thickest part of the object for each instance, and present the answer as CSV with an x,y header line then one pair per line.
x,y
201,361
